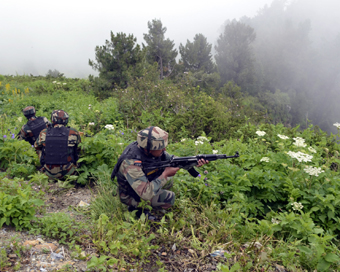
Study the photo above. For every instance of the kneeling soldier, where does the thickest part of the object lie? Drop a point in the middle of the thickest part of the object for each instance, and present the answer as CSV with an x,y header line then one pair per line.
x,y
59,146
30,131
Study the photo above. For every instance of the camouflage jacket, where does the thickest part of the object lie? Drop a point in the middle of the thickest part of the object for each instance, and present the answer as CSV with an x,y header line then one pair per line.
x,y
27,134
73,146
131,174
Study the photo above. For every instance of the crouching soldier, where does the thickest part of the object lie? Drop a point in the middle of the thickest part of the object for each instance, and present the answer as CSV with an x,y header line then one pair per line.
x,y
59,147
30,131
135,183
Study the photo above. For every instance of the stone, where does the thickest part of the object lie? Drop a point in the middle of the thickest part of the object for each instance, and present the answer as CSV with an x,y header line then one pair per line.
x,y
83,204
31,243
46,246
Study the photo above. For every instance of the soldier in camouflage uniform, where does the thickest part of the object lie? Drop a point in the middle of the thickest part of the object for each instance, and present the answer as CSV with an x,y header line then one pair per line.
x,y
30,131
134,183
59,147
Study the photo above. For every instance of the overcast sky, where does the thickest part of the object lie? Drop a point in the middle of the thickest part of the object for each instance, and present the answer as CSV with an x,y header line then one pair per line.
x,y
39,35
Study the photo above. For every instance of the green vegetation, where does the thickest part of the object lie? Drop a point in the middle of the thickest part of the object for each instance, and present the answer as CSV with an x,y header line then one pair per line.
x,y
277,204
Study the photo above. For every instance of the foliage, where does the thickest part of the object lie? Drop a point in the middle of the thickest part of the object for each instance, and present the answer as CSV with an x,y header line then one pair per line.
x,y
17,205
159,49
118,61
196,55
59,226
234,56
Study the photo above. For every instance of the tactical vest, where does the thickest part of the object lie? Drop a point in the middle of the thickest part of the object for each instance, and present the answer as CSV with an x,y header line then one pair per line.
x,y
56,146
36,126
132,151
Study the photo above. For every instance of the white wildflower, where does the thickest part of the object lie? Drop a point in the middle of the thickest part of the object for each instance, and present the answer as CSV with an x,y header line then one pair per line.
x,y
20,119
275,221
202,138
264,159
215,151
337,125
283,137
120,143
299,142
297,206
313,171
311,149
300,156
58,83
54,82
64,83
91,124
198,142
260,133
109,127
183,140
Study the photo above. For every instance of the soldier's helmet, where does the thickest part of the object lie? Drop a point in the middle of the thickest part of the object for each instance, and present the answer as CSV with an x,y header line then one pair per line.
x,y
152,138
29,111
59,117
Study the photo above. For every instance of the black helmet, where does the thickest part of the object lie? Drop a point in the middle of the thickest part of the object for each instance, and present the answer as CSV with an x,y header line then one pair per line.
x,y
29,111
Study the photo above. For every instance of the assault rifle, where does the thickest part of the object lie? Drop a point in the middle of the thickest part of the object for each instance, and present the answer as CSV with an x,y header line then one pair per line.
x,y
186,163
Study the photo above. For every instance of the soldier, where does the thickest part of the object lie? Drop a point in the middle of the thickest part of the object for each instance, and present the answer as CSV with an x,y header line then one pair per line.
x,y
134,183
30,131
59,146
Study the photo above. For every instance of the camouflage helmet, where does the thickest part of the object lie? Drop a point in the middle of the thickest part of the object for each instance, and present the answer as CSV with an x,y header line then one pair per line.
x,y
59,117
152,138
29,111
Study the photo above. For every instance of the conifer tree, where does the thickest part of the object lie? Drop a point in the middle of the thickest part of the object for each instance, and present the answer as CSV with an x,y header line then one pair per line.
x,y
159,49
119,60
196,55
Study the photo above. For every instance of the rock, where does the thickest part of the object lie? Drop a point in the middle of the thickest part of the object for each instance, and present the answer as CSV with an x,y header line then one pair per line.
x,y
56,256
280,268
46,246
218,253
31,243
191,251
174,247
12,256
83,204
163,253
41,240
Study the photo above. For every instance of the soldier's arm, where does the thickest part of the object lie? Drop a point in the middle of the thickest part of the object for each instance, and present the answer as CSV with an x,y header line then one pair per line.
x,y
23,134
39,143
48,123
133,173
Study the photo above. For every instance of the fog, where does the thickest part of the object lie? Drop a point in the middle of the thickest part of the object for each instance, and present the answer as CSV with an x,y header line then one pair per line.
x,y
40,35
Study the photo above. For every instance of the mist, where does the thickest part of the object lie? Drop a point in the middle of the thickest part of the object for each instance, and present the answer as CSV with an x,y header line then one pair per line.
x,y
40,35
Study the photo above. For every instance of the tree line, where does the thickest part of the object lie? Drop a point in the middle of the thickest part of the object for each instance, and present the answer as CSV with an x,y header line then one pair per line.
x,y
270,60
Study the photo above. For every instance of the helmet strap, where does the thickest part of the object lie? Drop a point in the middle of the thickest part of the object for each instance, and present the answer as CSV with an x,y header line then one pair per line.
x,y
148,147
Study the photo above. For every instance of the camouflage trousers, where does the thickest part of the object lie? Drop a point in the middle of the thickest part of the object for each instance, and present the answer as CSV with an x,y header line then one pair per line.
x,y
163,200
57,172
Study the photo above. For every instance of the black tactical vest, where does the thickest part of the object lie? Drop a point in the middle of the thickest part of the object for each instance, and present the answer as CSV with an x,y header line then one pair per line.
x,y
36,126
132,151
56,146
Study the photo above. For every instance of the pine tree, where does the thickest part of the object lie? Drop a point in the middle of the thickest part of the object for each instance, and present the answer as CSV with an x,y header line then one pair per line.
x,y
159,49
196,55
118,60
234,57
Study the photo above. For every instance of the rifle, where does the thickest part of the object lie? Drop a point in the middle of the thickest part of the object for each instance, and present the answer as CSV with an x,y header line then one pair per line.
x,y
186,163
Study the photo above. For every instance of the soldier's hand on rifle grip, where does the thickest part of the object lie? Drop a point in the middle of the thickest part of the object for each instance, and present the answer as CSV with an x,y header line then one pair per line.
x,y
201,162
170,171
